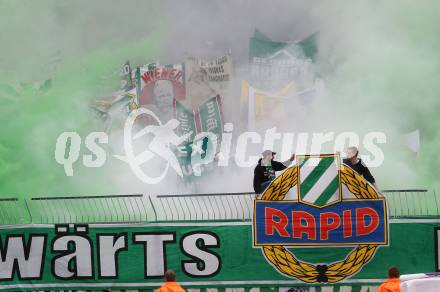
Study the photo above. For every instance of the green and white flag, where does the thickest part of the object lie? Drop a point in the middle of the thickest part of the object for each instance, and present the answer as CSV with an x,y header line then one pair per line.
x,y
187,125
211,120
207,119
319,183
274,63
186,120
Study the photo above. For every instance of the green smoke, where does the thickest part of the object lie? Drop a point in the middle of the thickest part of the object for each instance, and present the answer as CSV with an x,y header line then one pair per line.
x,y
379,61
80,47
381,65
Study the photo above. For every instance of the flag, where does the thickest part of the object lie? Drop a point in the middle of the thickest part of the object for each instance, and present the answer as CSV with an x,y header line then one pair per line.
x,y
187,124
210,115
208,118
261,45
186,118
273,63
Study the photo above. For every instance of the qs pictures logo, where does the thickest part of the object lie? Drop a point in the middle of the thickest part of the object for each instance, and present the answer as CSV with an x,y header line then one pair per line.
x,y
331,206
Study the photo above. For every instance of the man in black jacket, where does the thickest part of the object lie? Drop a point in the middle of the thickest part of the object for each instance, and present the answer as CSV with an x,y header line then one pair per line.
x,y
354,162
264,172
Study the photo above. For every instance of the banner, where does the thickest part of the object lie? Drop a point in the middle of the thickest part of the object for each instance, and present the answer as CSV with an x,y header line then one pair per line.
x,y
211,117
206,125
159,86
273,64
204,80
308,45
187,125
258,106
211,254
297,224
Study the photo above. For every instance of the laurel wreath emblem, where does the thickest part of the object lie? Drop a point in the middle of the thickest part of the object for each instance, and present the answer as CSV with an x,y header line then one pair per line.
x,y
285,261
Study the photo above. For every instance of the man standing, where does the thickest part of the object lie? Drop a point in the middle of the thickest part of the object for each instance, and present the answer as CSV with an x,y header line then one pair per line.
x,y
170,284
393,282
355,163
264,172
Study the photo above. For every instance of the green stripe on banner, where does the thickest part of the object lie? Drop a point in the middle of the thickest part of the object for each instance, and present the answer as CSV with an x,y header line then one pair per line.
x,y
314,176
328,192
303,162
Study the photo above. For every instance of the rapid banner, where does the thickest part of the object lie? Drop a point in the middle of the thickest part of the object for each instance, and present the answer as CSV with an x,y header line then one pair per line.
x,y
347,223
211,254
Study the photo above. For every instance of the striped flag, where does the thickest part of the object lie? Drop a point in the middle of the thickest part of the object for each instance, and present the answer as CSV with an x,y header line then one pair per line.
x,y
319,183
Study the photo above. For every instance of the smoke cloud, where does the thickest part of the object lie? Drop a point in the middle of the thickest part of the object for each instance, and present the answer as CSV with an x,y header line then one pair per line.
x,y
377,60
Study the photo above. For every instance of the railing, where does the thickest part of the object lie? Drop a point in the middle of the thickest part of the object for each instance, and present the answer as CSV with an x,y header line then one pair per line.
x,y
228,206
97,209
14,211
412,203
168,208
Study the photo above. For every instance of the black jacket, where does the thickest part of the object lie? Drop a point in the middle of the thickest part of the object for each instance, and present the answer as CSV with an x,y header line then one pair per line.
x,y
261,175
361,169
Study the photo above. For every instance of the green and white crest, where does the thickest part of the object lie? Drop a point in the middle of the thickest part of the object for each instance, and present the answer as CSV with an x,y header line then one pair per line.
x,y
319,182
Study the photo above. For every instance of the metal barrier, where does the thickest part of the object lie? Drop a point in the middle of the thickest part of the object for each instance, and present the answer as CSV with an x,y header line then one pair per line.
x,y
177,208
14,211
412,203
227,206
239,206
91,209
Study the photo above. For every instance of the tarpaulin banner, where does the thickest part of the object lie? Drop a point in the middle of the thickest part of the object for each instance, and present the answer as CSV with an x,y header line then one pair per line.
x,y
159,86
264,108
273,64
258,106
297,224
205,79
206,254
